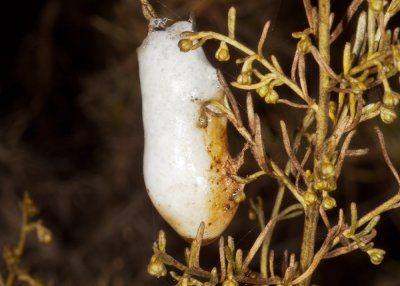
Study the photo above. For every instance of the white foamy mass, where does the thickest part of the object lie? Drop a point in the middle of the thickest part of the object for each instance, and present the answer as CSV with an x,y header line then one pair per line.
x,y
186,161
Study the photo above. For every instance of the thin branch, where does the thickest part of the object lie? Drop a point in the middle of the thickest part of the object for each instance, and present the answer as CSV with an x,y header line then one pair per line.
x,y
320,61
231,22
276,64
385,206
231,117
358,115
308,8
351,247
293,104
147,10
222,258
169,260
302,78
294,65
258,148
357,152
249,178
250,112
303,162
271,263
333,232
194,260
230,96
212,35
385,154
258,242
281,176
263,37
343,151
353,7
324,217
289,151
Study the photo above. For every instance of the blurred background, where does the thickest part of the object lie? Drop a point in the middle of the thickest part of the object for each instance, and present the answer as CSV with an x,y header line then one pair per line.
x,y
71,135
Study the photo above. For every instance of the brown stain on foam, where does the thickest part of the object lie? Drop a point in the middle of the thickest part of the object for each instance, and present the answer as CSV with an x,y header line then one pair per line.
x,y
221,206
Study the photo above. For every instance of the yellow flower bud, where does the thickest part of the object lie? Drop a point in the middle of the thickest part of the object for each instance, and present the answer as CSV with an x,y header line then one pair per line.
x,y
307,173
162,240
185,45
304,45
310,197
244,78
376,255
320,185
388,115
331,184
156,267
328,203
43,234
252,215
263,90
272,97
376,5
29,205
327,170
239,197
230,282
222,54
390,99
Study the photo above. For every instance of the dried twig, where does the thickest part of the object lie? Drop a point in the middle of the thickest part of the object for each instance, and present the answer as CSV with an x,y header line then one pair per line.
x,y
321,62
333,232
343,151
231,98
294,65
222,258
351,247
263,37
302,77
308,8
385,154
353,7
289,151
293,104
250,112
324,217
148,11
264,232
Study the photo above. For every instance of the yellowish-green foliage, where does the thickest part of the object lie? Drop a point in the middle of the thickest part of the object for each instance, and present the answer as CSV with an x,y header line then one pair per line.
x,y
13,254
331,118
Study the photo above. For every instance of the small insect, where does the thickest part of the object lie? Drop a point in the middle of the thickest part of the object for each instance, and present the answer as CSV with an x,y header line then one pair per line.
x,y
187,167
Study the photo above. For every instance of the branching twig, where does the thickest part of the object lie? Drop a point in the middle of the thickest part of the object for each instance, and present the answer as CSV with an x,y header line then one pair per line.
x,y
264,232
333,232
343,152
286,143
353,7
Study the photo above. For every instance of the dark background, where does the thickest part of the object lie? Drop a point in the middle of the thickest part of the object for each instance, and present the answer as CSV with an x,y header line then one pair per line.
x,y
71,134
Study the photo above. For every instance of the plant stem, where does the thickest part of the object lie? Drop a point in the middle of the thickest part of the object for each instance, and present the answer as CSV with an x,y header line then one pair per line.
x,y
311,212
307,248
323,46
309,118
267,240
